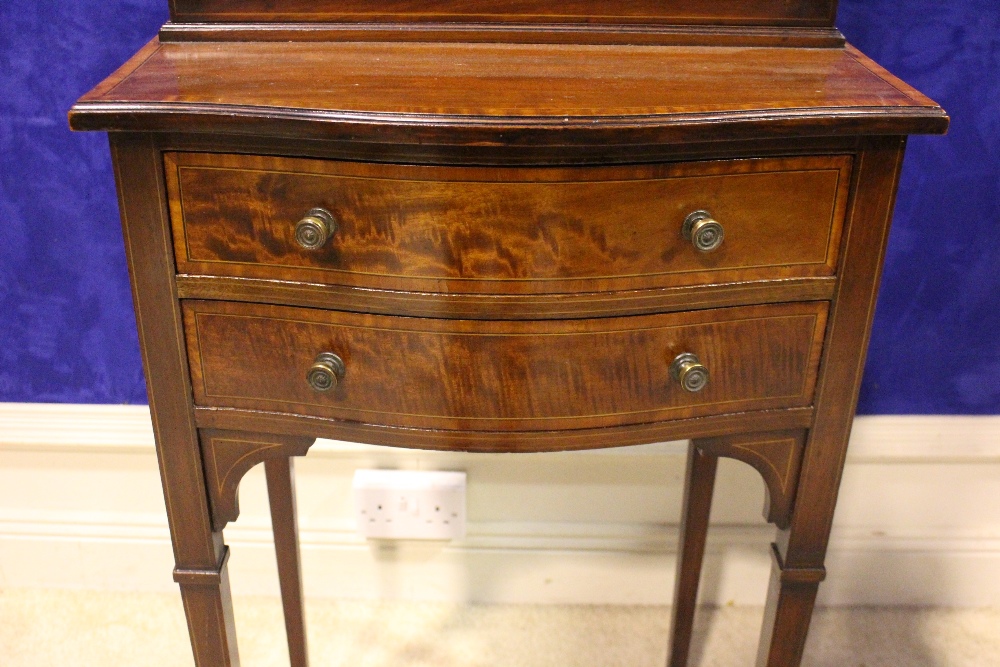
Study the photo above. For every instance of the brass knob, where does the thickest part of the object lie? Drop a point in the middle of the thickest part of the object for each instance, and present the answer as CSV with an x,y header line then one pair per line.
x,y
315,229
689,372
704,233
326,372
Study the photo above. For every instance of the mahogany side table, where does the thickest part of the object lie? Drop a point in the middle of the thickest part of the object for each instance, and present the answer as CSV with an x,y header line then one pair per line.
x,y
558,226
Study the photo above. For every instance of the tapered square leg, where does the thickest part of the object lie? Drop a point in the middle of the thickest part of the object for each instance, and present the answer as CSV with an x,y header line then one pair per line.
x,y
199,553
800,548
208,606
699,485
281,494
791,596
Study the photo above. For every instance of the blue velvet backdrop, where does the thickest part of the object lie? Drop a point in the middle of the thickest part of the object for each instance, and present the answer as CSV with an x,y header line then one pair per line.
x,y
67,332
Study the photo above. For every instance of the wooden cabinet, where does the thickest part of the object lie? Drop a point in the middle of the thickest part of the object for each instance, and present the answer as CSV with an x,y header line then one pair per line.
x,y
551,226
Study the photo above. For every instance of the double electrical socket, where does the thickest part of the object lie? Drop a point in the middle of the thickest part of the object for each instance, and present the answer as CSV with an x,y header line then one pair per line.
x,y
410,504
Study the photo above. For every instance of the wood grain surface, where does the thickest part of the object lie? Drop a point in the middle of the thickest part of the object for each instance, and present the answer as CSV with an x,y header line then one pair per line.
x,y
496,230
502,441
801,548
776,456
549,154
280,475
380,30
696,508
505,307
199,552
229,455
505,94
489,375
739,12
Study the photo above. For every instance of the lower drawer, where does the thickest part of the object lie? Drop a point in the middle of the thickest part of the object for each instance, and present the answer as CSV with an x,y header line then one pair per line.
x,y
489,375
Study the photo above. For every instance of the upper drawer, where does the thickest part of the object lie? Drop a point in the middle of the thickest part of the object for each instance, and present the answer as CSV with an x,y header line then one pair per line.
x,y
506,230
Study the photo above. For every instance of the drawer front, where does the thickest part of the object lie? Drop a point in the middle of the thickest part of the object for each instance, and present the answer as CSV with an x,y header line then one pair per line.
x,y
521,376
506,230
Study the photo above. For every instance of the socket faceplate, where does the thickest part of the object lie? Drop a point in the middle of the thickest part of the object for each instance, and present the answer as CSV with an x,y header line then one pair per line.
x,y
410,504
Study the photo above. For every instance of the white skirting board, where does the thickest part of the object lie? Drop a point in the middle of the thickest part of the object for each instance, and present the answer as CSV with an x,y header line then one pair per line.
x,y
918,520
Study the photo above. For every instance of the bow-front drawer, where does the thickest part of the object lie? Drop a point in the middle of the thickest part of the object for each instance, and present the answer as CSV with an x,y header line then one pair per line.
x,y
506,230
502,375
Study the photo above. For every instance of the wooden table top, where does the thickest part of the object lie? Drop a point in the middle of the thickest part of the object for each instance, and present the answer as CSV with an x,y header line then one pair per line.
x,y
479,92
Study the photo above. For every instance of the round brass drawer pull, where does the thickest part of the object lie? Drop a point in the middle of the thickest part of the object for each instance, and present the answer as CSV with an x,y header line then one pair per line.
x,y
704,233
689,372
315,229
326,372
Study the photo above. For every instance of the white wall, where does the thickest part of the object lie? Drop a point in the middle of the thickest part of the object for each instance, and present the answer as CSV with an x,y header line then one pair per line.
x,y
918,521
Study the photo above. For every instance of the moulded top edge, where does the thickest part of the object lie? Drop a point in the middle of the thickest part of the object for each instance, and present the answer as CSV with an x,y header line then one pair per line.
x,y
504,93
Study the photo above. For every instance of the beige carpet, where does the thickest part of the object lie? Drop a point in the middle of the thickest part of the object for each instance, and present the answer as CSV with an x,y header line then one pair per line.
x,y
70,629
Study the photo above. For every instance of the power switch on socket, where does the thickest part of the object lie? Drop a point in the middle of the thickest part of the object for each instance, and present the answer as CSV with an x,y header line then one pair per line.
x,y
410,504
